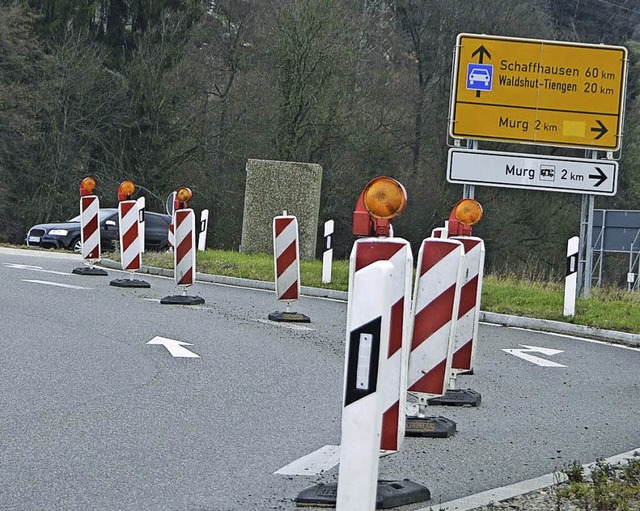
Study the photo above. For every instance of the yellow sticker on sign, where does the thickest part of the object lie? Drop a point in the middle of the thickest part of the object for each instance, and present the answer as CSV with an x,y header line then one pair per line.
x,y
538,92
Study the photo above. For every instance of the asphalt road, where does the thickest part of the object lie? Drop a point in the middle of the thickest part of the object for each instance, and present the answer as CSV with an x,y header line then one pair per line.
x,y
93,417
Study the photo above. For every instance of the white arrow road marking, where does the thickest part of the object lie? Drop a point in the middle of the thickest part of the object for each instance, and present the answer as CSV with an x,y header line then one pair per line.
x,y
57,284
524,354
176,348
314,463
34,268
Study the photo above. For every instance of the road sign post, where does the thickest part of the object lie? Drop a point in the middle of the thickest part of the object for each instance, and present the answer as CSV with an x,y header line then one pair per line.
x,y
538,92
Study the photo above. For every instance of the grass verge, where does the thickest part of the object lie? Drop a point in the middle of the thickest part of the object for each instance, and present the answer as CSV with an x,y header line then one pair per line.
x,y
607,308
607,488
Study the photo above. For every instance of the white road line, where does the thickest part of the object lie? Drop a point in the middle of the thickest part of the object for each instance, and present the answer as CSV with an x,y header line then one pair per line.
x,y
34,268
314,463
291,326
514,490
57,284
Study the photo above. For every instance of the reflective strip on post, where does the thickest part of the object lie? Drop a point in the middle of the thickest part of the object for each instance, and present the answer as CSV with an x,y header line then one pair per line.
x,y
90,227
436,301
469,311
367,343
286,257
184,257
393,389
130,246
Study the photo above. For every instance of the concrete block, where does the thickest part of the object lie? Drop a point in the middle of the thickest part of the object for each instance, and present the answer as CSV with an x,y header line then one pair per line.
x,y
276,186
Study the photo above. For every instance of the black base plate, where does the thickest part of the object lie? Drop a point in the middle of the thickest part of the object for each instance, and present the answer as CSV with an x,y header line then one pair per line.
x,y
289,316
89,270
390,494
182,300
430,427
457,397
129,283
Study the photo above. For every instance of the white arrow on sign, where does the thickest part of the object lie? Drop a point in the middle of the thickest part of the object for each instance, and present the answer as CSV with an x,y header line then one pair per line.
x,y
176,348
524,354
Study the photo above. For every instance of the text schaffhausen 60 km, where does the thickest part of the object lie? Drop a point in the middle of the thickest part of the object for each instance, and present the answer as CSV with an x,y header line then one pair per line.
x,y
538,92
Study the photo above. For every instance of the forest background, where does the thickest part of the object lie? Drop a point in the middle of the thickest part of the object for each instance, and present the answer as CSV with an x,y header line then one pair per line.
x,y
174,93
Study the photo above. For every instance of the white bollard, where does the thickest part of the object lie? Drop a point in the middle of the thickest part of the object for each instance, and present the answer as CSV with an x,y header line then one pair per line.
x,y
89,235
202,236
141,210
436,301
286,257
571,279
130,244
469,314
90,228
130,249
466,328
184,255
286,260
367,251
368,326
327,256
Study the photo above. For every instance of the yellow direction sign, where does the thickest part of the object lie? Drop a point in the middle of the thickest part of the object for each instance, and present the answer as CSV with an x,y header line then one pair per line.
x,y
538,92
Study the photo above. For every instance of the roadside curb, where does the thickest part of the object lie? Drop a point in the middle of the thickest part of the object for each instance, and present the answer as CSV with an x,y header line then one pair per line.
x,y
559,327
542,325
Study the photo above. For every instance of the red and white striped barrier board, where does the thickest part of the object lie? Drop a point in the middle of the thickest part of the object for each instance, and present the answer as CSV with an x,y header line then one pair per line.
x,y
440,232
171,237
367,344
469,312
184,256
367,251
286,257
436,300
90,227
130,242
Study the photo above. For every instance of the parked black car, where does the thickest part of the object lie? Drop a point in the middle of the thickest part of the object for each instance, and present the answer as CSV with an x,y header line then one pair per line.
x,y
66,235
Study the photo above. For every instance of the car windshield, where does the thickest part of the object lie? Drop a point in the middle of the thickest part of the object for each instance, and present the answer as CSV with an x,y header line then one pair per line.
x,y
103,214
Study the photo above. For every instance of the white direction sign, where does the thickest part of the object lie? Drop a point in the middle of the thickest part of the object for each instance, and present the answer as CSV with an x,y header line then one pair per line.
x,y
531,171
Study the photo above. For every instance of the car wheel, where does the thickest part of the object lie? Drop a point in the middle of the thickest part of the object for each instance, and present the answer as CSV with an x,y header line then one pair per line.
x,y
76,245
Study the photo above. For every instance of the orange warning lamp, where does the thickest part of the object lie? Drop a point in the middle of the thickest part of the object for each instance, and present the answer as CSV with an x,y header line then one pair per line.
x,y
183,196
87,186
464,215
125,190
382,199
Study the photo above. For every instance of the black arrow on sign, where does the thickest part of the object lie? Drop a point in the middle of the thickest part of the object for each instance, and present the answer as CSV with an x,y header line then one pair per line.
x,y
601,130
481,51
600,176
